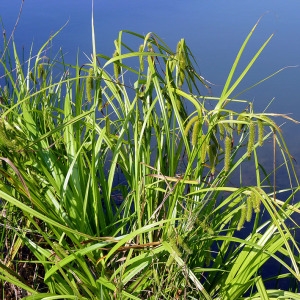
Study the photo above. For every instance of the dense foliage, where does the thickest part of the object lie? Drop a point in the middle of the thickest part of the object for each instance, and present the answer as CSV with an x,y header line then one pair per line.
x,y
121,179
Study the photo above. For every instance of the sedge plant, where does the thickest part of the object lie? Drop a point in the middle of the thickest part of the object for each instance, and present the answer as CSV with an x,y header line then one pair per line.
x,y
118,178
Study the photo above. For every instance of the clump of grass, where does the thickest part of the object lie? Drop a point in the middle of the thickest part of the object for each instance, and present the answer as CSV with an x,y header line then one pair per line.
x,y
130,193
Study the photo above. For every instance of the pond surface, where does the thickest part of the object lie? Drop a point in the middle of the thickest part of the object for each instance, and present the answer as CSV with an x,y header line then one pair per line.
x,y
214,31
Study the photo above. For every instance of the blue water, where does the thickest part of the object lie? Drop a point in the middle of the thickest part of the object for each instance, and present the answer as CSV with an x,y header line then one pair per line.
x,y
214,30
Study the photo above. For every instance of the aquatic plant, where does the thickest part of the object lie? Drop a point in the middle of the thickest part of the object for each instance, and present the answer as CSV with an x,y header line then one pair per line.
x,y
128,191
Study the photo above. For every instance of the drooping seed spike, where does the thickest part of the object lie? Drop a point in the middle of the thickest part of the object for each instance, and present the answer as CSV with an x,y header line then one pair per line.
x,y
181,62
181,77
195,133
251,138
6,91
41,71
203,143
32,78
260,127
190,124
249,204
178,48
242,219
89,84
181,54
227,153
256,202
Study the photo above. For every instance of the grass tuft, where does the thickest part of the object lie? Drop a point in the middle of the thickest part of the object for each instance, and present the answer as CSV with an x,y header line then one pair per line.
x,y
130,195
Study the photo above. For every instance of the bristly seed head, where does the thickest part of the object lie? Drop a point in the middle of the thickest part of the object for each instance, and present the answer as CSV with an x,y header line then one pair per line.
x,y
89,84
260,126
242,217
251,138
227,153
